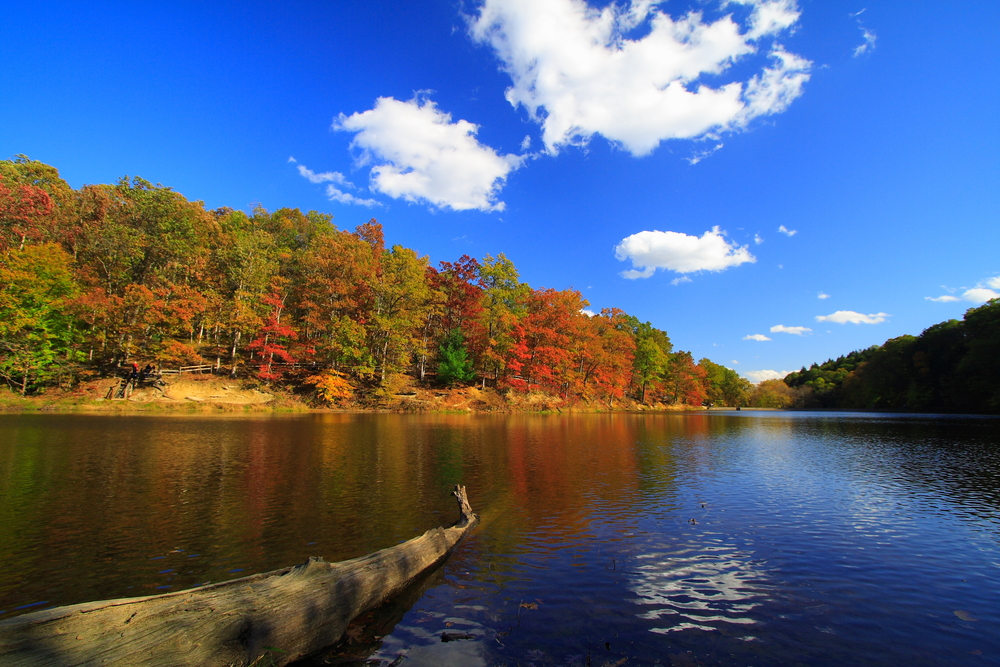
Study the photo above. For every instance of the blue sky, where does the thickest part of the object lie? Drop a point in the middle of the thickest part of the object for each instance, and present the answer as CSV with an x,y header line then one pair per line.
x,y
824,175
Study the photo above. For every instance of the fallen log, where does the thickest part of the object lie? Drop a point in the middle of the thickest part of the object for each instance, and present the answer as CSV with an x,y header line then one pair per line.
x,y
265,619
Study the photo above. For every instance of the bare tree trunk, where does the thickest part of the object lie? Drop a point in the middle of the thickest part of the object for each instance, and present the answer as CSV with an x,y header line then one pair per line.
x,y
232,353
296,610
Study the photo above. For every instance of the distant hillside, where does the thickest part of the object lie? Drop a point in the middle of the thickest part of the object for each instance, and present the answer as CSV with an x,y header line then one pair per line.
x,y
953,366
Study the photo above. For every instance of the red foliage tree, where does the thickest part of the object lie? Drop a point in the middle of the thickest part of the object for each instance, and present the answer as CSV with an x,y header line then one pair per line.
x,y
272,339
22,209
541,355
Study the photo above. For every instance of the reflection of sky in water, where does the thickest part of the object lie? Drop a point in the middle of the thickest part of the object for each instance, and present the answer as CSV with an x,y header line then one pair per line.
x,y
420,641
697,587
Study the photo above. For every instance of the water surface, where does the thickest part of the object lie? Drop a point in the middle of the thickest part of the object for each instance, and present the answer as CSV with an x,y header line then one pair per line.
x,y
677,539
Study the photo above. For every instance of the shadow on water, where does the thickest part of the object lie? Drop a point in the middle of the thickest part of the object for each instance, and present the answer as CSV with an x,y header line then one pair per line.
x,y
364,635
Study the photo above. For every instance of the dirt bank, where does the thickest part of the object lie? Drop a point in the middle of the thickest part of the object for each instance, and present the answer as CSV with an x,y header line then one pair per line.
x,y
186,393
211,393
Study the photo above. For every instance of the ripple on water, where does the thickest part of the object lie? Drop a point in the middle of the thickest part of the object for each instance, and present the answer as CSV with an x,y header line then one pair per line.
x,y
687,587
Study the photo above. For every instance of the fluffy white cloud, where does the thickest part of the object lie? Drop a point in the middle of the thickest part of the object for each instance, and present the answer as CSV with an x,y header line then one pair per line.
x,y
980,295
770,16
822,295
787,232
759,376
798,331
984,291
421,155
578,73
679,252
947,298
849,316
756,337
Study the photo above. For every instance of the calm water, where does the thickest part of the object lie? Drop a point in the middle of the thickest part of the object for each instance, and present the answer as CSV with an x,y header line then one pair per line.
x,y
685,539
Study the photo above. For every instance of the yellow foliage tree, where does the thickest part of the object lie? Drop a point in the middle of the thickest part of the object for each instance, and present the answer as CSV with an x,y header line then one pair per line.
x,y
331,386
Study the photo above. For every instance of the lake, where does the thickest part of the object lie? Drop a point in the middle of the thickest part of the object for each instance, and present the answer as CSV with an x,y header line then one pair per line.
x,y
719,538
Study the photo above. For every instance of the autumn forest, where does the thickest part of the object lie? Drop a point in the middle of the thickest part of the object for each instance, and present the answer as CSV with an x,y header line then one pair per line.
x,y
99,277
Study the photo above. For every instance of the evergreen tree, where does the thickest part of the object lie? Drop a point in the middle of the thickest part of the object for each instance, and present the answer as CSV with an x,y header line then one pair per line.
x,y
454,362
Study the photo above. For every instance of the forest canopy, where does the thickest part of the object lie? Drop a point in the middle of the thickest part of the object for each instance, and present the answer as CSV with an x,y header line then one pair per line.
x,y
98,277
108,274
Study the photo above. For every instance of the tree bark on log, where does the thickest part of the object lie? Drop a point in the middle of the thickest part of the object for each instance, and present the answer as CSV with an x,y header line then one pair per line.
x,y
265,619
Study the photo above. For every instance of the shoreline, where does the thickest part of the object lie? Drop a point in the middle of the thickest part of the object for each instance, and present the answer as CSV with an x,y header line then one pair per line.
x,y
208,394
96,407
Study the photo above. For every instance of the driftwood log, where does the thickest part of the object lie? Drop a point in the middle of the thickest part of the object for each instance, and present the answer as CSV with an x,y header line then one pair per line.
x,y
265,619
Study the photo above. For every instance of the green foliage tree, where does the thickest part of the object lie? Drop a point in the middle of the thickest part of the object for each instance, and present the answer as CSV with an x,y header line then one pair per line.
x,y
504,303
37,328
979,368
401,298
725,386
652,355
454,363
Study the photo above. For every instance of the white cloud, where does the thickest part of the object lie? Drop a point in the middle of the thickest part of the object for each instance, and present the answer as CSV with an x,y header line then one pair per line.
x,y
980,295
756,337
822,295
849,316
758,239
759,376
577,73
701,155
679,280
421,155
798,331
770,16
679,252
787,232
984,291
328,176
868,44
588,312
333,193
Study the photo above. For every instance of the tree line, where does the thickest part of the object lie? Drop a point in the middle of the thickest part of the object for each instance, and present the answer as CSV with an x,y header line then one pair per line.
x,y
952,366
98,276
